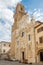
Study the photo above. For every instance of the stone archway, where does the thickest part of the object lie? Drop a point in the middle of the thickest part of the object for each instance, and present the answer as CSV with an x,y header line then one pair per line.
x,y
40,56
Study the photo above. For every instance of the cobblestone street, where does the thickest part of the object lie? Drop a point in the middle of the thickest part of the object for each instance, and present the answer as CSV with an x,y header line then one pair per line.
x,y
3,62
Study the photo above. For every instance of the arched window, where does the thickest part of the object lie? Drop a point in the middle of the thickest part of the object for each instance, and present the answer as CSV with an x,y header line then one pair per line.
x,y
22,34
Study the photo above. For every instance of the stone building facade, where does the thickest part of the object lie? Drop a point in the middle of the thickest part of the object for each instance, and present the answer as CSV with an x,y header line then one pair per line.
x,y
4,47
27,38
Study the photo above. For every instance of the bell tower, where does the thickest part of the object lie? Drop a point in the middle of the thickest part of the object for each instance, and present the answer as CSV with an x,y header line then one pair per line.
x,y
19,12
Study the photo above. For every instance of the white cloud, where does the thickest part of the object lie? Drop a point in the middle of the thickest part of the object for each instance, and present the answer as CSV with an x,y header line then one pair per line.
x,y
9,2
37,13
7,15
5,32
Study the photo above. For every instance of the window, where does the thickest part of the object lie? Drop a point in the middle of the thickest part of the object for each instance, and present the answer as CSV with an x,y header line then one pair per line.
x,y
22,34
41,39
21,8
4,44
9,45
3,50
40,29
29,37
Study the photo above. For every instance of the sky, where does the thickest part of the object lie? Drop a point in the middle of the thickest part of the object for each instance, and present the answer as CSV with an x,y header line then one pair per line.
x,y
7,9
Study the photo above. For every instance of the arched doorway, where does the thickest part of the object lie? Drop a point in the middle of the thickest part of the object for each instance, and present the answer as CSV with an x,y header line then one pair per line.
x,y
40,56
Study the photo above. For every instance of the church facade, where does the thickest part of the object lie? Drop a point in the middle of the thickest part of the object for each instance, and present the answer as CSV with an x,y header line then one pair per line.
x,y
27,38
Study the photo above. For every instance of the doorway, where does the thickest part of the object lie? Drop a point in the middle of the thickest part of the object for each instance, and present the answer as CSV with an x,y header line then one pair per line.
x,y
23,56
41,56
